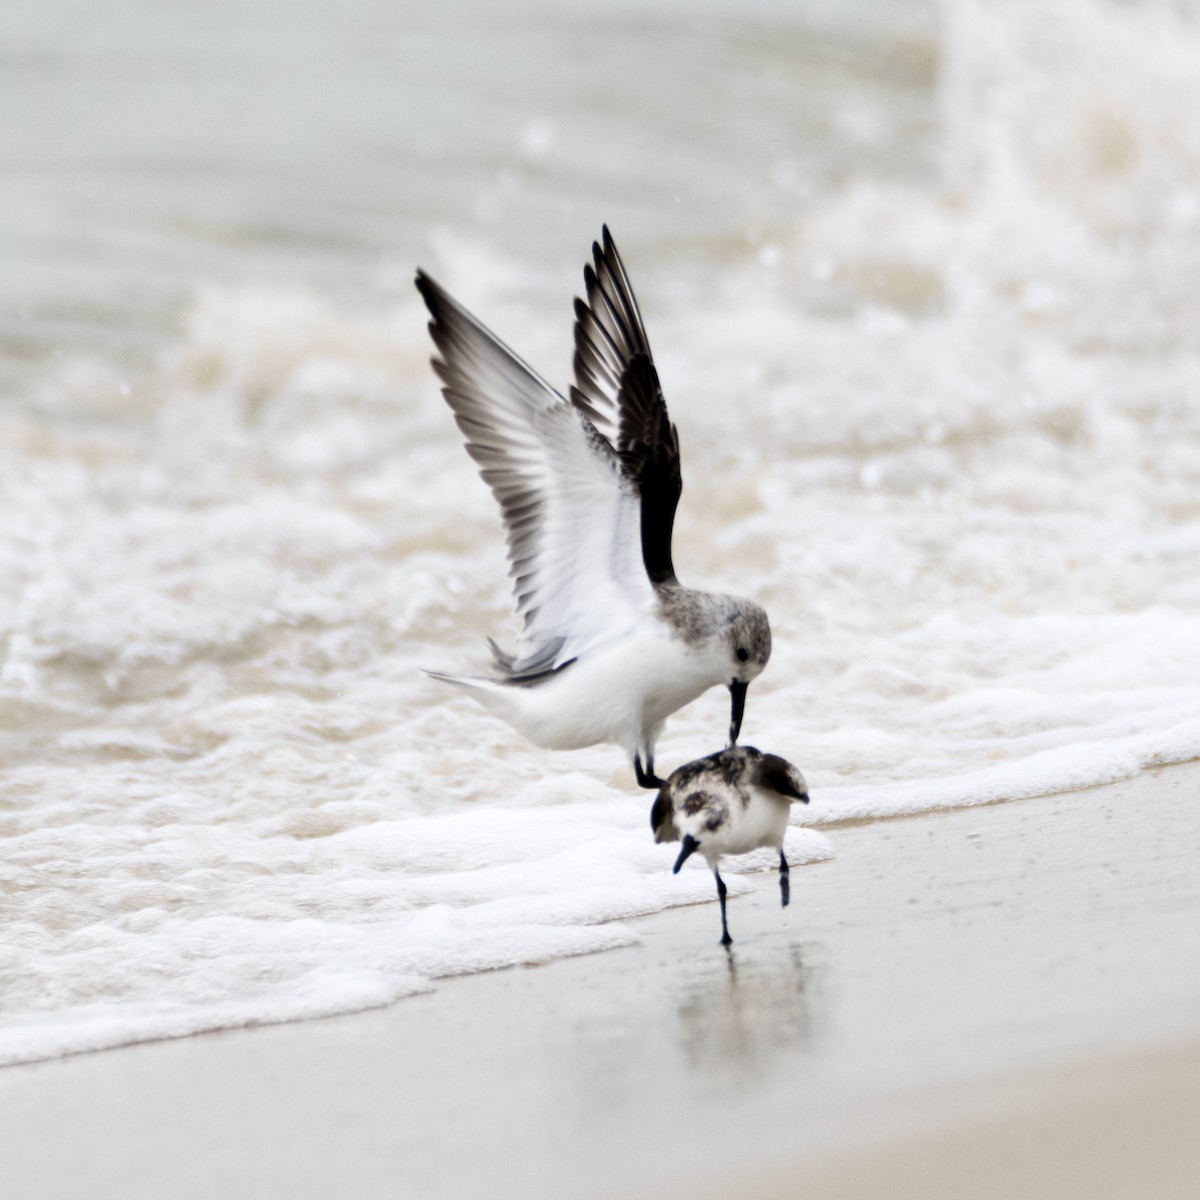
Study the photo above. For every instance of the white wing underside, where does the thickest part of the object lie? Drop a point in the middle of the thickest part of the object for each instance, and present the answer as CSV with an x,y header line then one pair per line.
x,y
571,516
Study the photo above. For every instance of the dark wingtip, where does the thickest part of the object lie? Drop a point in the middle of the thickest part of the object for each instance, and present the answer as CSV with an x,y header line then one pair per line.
x,y
431,291
605,251
780,776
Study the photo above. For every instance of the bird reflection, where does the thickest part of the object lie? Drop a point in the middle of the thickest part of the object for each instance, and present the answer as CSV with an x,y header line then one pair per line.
x,y
745,1007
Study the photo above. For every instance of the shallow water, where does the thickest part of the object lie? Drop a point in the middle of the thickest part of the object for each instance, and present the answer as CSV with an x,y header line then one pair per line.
x,y
920,282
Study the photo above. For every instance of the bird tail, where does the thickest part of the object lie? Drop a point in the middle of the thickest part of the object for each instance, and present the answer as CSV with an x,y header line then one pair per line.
x,y
490,692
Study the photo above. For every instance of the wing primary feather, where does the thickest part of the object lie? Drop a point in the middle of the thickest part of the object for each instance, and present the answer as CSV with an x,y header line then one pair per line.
x,y
625,289
649,450
617,389
569,510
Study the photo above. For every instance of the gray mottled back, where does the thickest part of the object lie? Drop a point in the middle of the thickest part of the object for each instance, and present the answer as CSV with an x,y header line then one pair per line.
x,y
721,779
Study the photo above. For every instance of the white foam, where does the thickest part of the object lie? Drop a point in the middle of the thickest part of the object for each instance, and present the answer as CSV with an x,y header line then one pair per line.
x,y
157,918
947,432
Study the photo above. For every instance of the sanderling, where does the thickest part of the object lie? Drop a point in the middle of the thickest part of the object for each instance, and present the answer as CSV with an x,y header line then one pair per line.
x,y
731,802
610,642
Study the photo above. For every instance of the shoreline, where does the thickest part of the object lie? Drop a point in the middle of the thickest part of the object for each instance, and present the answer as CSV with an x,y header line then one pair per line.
x,y
930,982
808,840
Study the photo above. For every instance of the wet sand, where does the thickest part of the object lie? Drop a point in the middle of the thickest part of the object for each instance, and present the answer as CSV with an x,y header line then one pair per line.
x,y
1109,1130
957,1004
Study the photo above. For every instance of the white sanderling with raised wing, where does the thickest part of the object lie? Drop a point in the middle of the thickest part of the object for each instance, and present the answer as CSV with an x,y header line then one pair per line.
x,y
731,802
610,642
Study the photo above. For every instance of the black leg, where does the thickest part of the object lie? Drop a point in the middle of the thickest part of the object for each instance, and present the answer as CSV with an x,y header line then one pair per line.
x,y
785,888
726,940
646,779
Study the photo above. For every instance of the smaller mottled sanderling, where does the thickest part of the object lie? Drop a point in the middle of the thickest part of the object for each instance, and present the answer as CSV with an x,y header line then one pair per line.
x,y
731,802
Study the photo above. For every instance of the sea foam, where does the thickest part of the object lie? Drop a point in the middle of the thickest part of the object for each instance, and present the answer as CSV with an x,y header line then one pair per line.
x,y
946,430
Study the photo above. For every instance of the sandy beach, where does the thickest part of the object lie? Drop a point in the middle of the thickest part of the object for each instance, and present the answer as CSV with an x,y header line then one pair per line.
x,y
1104,1129
919,279
996,1001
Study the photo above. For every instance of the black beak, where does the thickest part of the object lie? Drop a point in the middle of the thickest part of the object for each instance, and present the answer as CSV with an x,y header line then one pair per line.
x,y
737,689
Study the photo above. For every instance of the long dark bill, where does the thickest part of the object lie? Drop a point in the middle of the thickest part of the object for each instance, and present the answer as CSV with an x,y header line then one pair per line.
x,y
737,690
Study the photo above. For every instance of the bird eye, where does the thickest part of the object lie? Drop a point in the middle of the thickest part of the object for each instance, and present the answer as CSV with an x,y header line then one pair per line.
x,y
742,654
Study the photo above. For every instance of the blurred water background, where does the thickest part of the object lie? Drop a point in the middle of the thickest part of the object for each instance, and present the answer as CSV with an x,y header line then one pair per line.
x,y
921,283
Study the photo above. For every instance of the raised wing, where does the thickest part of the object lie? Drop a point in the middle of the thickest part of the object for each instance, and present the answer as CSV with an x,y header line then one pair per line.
x,y
570,513
616,388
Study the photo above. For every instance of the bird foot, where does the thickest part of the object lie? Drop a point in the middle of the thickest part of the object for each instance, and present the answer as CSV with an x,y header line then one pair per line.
x,y
646,778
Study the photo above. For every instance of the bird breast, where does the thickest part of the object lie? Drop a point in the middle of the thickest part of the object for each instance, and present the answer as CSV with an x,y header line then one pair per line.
x,y
734,823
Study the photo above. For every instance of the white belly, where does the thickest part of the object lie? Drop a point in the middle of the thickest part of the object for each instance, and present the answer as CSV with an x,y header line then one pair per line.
x,y
614,694
762,822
